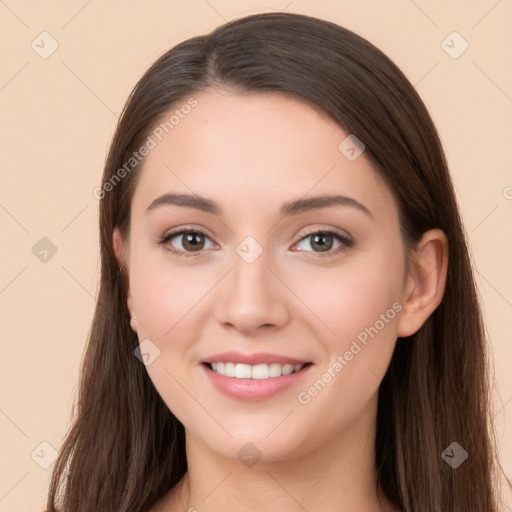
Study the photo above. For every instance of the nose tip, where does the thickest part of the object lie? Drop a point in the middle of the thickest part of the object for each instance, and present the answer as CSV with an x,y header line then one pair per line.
x,y
251,297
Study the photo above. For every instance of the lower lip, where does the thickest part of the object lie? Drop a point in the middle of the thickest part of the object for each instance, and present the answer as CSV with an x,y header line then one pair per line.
x,y
254,389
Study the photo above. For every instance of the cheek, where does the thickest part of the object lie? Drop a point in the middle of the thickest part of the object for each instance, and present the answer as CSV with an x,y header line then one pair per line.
x,y
167,300
357,308
165,294
352,298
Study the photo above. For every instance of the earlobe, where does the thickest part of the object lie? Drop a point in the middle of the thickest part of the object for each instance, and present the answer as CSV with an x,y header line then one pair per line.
x,y
133,319
119,251
426,282
117,243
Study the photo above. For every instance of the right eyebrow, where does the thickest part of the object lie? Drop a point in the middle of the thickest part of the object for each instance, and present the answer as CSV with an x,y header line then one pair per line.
x,y
187,201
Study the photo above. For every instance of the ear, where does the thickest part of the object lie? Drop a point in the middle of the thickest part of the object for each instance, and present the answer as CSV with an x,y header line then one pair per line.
x,y
121,256
425,282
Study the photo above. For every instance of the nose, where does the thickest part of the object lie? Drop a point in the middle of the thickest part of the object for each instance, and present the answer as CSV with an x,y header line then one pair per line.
x,y
253,296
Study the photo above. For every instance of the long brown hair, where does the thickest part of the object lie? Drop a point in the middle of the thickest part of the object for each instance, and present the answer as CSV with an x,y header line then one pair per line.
x,y
125,448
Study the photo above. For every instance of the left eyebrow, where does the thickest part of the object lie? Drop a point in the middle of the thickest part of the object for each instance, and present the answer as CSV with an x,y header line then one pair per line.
x,y
294,207
318,202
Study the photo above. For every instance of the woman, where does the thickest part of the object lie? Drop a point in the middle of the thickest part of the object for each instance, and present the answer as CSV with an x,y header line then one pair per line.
x,y
287,317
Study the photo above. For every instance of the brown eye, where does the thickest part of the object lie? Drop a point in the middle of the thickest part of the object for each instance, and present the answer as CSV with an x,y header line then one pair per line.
x,y
192,241
188,242
323,242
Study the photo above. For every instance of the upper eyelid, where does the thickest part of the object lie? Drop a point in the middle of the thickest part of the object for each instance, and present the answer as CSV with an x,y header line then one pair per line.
x,y
182,231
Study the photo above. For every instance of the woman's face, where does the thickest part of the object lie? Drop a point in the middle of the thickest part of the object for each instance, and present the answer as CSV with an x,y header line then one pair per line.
x,y
251,279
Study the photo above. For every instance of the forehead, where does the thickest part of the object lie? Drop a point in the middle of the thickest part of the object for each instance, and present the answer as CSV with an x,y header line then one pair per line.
x,y
252,150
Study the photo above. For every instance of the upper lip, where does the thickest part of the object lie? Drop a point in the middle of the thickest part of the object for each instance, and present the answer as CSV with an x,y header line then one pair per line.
x,y
252,359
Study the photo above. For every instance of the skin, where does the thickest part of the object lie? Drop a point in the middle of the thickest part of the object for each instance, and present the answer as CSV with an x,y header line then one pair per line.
x,y
250,153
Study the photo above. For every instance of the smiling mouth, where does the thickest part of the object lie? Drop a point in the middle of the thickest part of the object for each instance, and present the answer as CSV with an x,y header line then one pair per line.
x,y
256,372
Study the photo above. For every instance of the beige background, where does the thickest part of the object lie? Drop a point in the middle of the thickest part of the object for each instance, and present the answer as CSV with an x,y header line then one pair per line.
x,y
59,113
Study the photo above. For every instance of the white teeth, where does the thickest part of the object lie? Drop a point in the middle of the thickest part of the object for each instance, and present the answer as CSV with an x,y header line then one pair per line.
x,y
287,368
259,371
229,370
243,371
274,370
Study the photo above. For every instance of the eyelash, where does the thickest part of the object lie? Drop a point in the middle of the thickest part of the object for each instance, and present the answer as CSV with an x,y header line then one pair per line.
x,y
346,242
